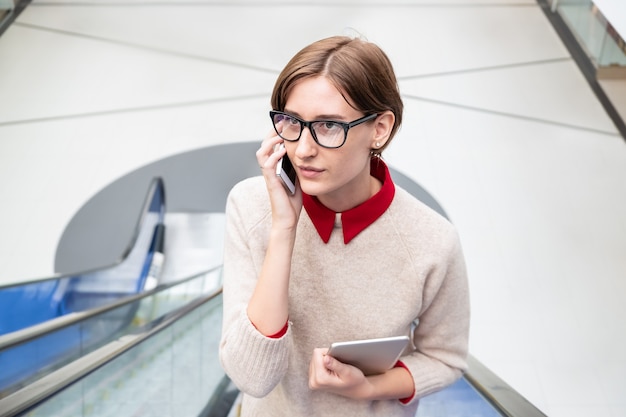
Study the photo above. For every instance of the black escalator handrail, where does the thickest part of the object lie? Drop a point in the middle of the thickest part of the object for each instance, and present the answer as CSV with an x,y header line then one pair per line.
x,y
52,384
156,185
502,396
39,330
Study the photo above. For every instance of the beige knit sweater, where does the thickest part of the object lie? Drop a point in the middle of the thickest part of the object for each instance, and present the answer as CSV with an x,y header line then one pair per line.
x,y
406,266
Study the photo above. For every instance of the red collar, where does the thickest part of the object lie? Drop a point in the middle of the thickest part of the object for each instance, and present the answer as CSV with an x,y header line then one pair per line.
x,y
355,220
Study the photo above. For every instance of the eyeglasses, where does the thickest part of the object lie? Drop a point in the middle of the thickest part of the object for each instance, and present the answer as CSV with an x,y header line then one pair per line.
x,y
326,133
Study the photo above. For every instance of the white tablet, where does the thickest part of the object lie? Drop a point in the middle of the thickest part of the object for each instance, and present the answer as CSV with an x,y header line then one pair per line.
x,y
372,356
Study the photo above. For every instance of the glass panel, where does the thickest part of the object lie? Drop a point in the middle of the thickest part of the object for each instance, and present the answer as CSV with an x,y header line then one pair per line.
x,y
460,399
594,33
22,364
173,373
25,305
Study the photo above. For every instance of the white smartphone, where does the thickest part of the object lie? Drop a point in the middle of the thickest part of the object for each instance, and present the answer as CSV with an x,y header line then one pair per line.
x,y
371,356
287,174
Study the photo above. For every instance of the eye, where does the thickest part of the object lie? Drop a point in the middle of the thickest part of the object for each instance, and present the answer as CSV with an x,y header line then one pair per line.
x,y
289,120
329,127
284,119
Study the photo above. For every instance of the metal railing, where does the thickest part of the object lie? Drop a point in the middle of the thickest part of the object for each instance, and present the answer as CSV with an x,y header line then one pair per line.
x,y
30,354
52,384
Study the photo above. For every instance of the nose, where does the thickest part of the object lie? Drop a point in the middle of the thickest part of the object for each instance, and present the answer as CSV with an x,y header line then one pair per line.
x,y
307,147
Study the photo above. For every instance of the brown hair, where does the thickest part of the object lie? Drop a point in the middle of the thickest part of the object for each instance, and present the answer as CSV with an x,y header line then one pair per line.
x,y
360,70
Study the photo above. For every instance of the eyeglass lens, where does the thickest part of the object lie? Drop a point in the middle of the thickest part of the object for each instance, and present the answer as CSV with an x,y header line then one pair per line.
x,y
328,133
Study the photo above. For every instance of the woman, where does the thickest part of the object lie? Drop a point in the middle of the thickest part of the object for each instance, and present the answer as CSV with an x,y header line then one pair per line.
x,y
349,256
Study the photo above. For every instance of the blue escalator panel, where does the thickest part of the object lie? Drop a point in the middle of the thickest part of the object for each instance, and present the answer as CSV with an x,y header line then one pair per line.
x,y
25,305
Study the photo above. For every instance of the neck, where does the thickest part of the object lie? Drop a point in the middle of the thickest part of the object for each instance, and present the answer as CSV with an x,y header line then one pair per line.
x,y
340,203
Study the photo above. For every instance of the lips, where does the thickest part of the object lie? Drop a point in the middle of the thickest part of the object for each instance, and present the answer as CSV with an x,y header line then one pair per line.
x,y
309,171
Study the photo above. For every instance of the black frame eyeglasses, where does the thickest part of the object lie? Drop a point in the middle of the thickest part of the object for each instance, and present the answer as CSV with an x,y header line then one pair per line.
x,y
330,134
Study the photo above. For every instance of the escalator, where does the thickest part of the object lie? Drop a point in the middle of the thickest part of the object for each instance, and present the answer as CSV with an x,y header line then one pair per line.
x,y
35,302
170,367
139,372
27,307
49,323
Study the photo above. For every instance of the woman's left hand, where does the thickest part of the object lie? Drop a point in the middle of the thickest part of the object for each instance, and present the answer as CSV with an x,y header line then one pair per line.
x,y
328,374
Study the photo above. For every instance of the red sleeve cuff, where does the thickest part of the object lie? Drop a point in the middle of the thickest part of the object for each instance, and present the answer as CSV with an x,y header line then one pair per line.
x,y
277,335
408,399
280,333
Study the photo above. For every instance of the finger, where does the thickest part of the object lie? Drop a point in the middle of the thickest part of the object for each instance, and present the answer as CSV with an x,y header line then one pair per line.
x,y
270,152
318,375
333,364
267,147
274,159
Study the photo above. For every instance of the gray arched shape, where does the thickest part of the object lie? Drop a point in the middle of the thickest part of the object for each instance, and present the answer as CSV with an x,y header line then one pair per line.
x,y
195,181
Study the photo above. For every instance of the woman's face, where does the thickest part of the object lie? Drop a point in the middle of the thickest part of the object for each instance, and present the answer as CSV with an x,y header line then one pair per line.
x,y
340,177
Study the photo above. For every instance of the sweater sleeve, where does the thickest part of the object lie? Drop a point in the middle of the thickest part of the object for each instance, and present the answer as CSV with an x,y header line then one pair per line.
x,y
442,335
254,362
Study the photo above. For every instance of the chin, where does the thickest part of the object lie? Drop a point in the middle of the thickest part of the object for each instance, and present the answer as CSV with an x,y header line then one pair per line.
x,y
311,188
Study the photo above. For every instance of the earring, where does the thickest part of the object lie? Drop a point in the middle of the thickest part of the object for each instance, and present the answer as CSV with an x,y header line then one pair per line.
x,y
378,144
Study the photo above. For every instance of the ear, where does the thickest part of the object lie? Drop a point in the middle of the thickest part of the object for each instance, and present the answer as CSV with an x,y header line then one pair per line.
x,y
383,125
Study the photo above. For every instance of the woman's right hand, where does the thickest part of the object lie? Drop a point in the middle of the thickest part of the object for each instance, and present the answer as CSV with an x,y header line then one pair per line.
x,y
285,207
268,308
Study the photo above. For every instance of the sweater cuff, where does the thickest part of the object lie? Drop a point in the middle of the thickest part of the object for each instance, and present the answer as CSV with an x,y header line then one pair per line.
x,y
276,335
408,399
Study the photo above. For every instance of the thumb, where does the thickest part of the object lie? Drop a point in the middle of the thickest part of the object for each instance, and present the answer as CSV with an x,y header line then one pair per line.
x,y
333,364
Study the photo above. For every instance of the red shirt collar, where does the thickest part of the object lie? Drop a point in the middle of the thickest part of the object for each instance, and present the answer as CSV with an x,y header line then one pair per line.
x,y
355,220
